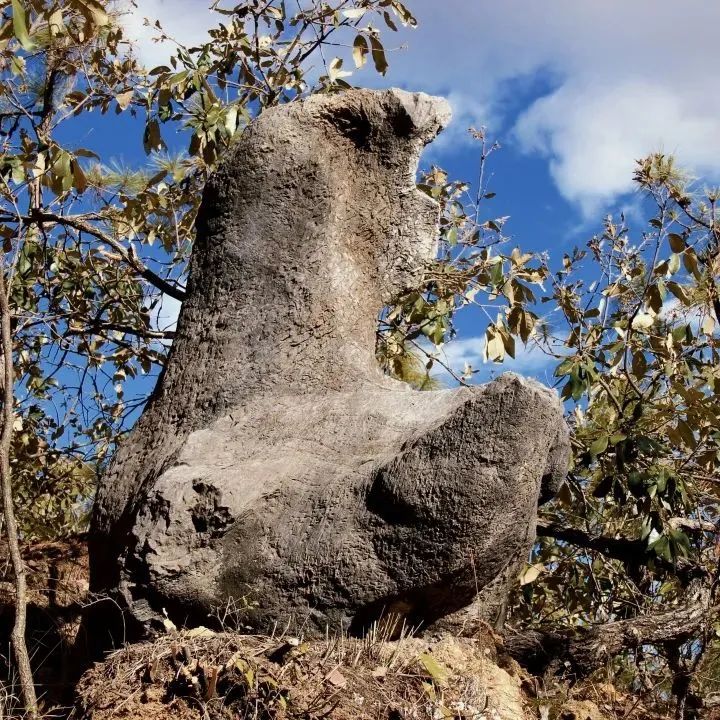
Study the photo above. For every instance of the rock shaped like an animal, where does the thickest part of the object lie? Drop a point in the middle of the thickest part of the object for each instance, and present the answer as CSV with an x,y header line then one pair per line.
x,y
276,467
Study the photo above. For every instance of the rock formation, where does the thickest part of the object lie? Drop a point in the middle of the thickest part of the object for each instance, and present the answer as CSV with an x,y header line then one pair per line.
x,y
275,465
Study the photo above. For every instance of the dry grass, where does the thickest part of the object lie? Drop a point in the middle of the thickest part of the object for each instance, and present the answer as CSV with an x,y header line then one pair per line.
x,y
199,674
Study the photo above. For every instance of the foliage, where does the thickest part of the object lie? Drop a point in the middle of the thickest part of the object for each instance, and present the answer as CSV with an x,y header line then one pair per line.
x,y
632,327
93,250
637,350
471,270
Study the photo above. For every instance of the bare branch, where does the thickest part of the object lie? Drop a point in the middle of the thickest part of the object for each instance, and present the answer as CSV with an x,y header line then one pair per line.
x,y
20,650
584,649
632,553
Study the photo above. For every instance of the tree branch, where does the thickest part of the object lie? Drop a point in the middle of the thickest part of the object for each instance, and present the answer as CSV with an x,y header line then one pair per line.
x,y
128,256
20,650
585,649
632,553
101,326
622,549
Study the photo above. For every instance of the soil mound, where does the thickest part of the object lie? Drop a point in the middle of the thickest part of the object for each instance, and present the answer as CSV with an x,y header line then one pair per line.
x,y
201,674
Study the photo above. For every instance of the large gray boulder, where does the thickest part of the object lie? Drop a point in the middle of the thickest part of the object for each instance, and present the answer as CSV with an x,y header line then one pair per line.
x,y
276,467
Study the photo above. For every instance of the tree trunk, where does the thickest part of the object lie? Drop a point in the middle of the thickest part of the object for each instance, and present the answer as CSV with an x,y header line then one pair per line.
x,y
20,651
583,650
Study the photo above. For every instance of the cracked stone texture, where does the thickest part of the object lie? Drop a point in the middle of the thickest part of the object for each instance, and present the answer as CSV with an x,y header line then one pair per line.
x,y
275,463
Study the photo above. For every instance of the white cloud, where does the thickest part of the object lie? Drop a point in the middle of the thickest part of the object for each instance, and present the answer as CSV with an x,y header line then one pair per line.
x,y
621,78
529,360
611,80
186,21
592,137
467,112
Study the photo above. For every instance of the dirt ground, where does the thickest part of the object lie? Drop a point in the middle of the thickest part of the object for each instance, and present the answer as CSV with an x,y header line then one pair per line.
x,y
200,674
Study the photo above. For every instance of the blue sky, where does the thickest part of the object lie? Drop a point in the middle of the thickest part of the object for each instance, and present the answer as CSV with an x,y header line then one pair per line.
x,y
575,90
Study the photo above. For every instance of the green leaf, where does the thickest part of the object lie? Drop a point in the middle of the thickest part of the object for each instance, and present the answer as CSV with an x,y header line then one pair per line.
x,y
494,348
389,22
79,179
17,65
434,669
94,12
691,263
354,13
406,17
6,32
152,140
679,292
360,51
686,434
508,344
600,445
604,486
55,22
378,54
679,543
564,368
231,120
708,325
335,70
643,321
20,26
677,244
654,298
531,573
661,482
565,496
661,547
639,364
177,78
123,99
84,152
636,484
575,386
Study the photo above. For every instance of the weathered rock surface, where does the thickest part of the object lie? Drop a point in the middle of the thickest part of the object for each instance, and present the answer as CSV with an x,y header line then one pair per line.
x,y
275,464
